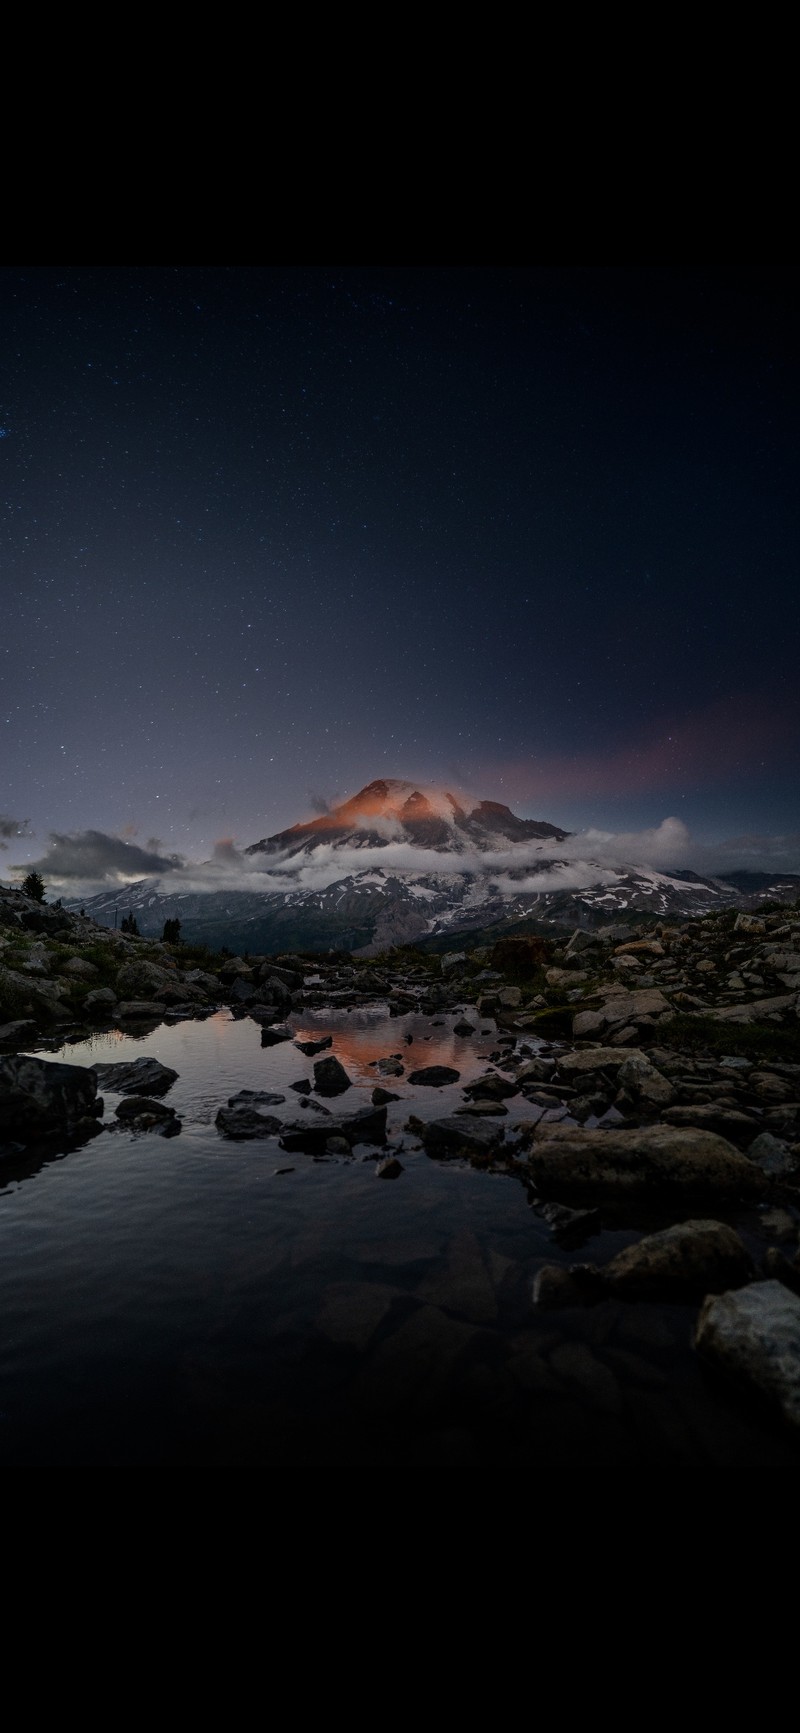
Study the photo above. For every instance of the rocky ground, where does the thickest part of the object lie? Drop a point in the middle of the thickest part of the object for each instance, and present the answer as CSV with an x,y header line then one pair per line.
x,y
659,1068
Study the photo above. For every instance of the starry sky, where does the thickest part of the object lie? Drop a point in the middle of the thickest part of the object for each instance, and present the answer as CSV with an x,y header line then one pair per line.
x,y
269,533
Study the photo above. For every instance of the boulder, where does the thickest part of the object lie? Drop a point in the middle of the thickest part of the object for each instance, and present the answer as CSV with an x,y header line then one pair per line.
x,y
649,1160
709,1116
756,1009
772,1155
100,1001
139,1010
754,1337
134,1107
694,1257
316,1046
644,1082
573,1065
621,1008
136,1076
330,1077
141,980
40,1098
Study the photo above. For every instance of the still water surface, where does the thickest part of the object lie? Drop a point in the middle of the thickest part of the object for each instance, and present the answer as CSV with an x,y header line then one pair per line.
x,y
170,1302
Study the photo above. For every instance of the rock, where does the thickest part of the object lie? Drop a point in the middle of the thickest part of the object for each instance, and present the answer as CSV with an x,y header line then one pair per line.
x,y
141,980
555,1288
245,1116
644,1082
777,1264
40,1098
392,1067
366,1126
755,1009
570,1226
709,1116
456,1136
139,1010
135,1107
748,924
453,960
391,1168
80,969
302,1086
434,1076
772,1155
620,1008
483,1110
572,1066
463,1027
316,1046
647,1160
491,1087
99,1001
136,1077
17,1034
381,1096
276,1033
754,1336
330,1077
694,1257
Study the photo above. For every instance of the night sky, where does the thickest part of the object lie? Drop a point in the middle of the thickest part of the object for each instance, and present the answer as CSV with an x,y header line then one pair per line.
x,y
271,533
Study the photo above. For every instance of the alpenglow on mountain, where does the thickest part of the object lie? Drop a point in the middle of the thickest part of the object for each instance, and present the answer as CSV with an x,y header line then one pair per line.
x,y
395,811
401,862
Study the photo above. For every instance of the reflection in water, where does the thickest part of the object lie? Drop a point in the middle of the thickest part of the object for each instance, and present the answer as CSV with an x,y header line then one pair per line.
x,y
202,1302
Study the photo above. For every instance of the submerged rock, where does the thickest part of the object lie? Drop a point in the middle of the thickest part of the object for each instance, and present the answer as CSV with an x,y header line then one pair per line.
x,y
136,1076
694,1257
754,1336
317,1046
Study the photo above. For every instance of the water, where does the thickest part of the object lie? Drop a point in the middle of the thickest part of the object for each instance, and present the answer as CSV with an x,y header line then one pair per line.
x,y
184,1302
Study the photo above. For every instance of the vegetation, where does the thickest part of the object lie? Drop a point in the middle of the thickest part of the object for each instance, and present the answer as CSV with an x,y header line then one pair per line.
x,y
33,886
172,932
694,1034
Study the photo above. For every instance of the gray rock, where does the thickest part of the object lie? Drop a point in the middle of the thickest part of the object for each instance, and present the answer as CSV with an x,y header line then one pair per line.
x,y
135,1107
330,1077
651,1159
136,1077
463,1027
40,1098
99,1001
366,1126
244,1121
754,1336
434,1076
772,1155
457,1136
141,980
644,1082
694,1257
139,1010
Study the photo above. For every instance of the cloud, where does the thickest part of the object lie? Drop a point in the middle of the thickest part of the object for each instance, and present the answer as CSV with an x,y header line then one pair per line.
x,y
13,827
91,857
92,860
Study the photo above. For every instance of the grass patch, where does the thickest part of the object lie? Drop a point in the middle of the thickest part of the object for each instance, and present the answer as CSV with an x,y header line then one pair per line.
x,y
743,1040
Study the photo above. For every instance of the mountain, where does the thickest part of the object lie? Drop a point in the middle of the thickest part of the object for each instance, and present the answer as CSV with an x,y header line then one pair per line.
x,y
437,865
394,811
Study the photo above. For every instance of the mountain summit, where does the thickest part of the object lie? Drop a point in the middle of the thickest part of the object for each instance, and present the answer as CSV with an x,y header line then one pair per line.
x,y
392,811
